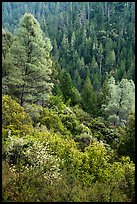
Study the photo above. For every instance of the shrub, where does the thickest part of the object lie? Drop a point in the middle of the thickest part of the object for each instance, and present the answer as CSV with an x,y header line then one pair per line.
x,y
31,153
14,119
51,119
33,111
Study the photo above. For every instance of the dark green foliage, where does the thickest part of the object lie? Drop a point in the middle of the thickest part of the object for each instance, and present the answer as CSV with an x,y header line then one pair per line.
x,y
70,93
88,96
127,143
91,30
71,66
6,44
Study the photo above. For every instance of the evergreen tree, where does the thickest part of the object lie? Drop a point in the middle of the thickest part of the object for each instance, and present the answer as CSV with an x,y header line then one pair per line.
x,y
29,56
66,84
73,40
70,93
88,96
77,80
6,44
44,26
94,65
120,70
65,48
110,60
55,49
100,57
81,67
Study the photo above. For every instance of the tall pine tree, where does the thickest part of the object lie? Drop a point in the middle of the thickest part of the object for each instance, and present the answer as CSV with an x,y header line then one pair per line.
x,y
29,56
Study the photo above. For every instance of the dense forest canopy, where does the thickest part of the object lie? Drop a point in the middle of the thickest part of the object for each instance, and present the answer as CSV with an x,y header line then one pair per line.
x,y
102,34
68,101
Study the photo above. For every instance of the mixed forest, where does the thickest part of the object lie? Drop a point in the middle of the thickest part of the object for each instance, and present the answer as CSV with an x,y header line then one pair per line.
x,y
68,101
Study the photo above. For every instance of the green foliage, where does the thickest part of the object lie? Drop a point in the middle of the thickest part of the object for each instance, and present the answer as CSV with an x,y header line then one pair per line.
x,y
32,154
90,30
33,111
6,44
91,168
52,150
55,103
81,115
68,90
52,121
127,143
120,101
29,58
87,93
15,119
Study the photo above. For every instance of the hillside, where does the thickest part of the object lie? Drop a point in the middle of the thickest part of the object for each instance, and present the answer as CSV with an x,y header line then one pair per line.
x,y
68,101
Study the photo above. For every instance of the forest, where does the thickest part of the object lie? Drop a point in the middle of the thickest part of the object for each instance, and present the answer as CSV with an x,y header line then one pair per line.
x,y
68,101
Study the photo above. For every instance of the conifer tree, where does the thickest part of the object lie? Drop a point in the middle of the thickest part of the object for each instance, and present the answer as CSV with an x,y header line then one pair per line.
x,y
110,60
6,44
29,56
73,40
77,80
100,57
88,96
66,84
70,93
94,65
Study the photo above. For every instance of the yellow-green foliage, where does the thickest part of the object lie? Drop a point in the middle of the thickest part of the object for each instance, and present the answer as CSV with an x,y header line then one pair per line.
x,y
95,160
58,118
51,119
27,187
94,172
102,180
14,118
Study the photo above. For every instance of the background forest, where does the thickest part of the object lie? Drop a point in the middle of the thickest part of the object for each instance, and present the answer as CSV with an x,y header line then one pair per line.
x,y
68,101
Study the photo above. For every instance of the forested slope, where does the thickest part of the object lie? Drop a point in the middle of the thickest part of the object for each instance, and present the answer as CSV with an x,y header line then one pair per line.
x,y
68,101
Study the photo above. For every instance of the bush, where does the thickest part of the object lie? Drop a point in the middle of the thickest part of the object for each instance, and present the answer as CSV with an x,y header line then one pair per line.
x,y
14,119
55,103
33,111
51,119
81,176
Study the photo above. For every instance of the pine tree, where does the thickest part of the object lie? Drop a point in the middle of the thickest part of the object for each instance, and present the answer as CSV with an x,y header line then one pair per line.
x,y
65,47
100,57
29,56
70,93
66,84
6,44
121,69
44,26
110,60
94,65
88,96
73,40
55,49
81,67
77,80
